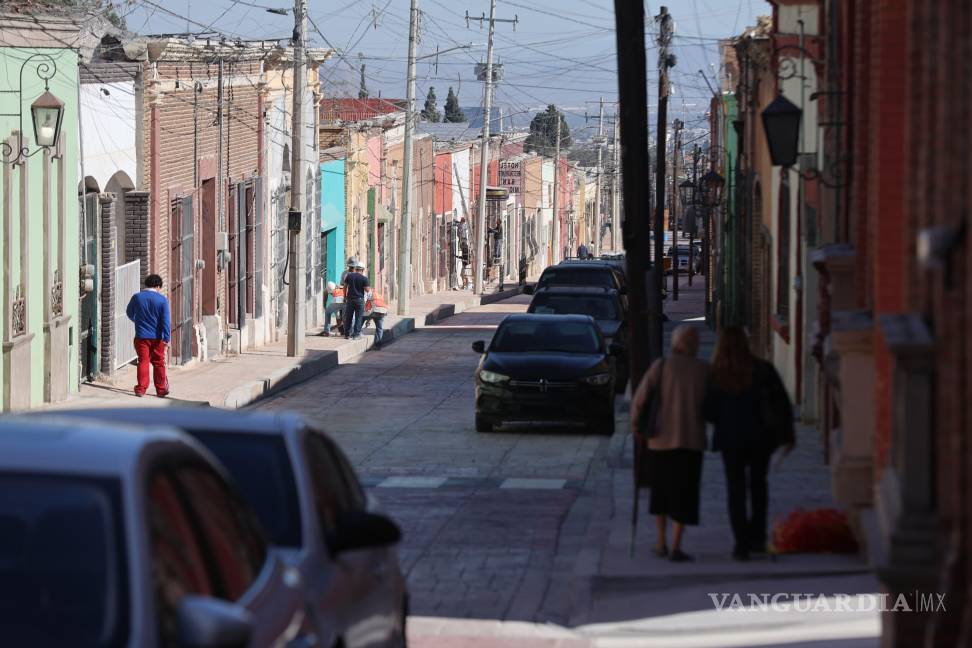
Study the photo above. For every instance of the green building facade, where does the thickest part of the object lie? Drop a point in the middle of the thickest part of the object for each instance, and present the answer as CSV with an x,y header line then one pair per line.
x,y
39,273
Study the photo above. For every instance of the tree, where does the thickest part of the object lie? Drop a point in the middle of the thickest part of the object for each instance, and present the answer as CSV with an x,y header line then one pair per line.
x,y
543,132
107,10
453,113
362,89
429,113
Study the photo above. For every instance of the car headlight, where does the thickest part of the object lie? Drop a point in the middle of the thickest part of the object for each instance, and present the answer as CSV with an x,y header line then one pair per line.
x,y
492,376
598,380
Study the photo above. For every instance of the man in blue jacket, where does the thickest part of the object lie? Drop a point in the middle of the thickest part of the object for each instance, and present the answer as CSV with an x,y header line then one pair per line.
x,y
149,310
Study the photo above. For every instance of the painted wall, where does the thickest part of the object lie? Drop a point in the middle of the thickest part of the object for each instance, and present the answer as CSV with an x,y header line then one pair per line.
x,y
333,217
460,183
108,130
443,182
64,85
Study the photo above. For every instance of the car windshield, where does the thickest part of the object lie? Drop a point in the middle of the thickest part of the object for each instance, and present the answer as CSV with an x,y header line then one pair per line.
x,y
574,276
535,336
600,307
63,576
262,472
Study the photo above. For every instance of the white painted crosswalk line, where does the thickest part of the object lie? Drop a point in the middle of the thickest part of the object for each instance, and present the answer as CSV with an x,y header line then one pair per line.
x,y
537,484
412,482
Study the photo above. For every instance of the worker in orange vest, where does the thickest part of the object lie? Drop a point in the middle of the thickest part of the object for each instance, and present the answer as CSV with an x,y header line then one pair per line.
x,y
333,303
376,309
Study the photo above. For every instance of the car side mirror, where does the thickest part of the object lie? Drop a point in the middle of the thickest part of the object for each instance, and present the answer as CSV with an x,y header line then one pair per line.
x,y
363,530
479,346
528,290
615,349
206,622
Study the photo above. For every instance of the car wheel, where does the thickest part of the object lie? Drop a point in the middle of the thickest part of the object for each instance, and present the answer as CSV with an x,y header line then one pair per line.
x,y
483,424
605,425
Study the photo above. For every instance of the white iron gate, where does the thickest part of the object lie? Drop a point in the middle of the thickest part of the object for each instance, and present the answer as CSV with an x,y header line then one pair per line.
x,y
127,283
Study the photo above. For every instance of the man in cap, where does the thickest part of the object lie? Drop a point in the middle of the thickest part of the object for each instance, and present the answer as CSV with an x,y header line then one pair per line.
x,y
355,286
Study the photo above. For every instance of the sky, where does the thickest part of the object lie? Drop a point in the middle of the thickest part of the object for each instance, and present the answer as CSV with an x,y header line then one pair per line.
x,y
559,51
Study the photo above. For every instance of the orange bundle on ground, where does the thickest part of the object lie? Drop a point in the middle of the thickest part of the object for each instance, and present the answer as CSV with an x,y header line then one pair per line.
x,y
817,531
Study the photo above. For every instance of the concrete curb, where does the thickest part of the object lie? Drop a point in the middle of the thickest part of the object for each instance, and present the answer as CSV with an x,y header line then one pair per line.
x,y
253,391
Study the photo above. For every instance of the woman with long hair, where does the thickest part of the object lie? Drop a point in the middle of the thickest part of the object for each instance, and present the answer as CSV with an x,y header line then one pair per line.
x,y
752,415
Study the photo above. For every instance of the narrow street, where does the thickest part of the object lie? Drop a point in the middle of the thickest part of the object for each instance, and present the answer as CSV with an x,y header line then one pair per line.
x,y
521,537
484,515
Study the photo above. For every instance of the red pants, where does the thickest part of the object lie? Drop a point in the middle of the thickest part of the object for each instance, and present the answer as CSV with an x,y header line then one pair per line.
x,y
151,352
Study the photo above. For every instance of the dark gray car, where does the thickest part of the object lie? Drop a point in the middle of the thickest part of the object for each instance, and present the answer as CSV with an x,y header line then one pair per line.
x,y
315,511
117,536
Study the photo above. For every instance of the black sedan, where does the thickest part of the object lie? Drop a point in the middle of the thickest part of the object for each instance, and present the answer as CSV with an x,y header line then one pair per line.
x,y
579,273
606,306
546,368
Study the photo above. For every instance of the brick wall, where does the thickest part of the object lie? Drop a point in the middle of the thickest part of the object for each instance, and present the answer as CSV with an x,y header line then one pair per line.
x,y
188,123
109,256
885,195
137,230
940,94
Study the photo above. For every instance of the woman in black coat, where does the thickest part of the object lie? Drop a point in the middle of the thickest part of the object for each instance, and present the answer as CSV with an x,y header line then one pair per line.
x,y
752,414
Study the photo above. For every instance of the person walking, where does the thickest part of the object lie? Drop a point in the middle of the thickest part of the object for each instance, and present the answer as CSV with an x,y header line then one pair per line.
x,y
678,442
355,285
149,311
376,309
334,303
752,415
582,252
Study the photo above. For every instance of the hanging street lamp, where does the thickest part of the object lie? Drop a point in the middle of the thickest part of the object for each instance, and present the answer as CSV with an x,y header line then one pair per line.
x,y
781,123
47,112
686,191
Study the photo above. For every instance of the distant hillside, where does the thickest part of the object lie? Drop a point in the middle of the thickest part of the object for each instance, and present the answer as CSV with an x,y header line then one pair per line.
x,y
513,119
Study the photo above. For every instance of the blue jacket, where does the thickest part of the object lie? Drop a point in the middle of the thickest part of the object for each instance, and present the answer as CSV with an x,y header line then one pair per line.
x,y
150,312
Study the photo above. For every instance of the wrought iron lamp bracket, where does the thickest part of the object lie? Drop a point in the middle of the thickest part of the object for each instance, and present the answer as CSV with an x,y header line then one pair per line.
x,y
834,176
45,68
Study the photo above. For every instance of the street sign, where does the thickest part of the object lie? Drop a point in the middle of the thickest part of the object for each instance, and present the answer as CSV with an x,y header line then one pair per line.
x,y
509,176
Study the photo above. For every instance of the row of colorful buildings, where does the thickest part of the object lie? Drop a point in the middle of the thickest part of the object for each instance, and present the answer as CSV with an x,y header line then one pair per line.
x,y
173,157
848,262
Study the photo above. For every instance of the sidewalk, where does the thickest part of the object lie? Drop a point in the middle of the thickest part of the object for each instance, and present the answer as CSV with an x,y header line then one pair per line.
x,y
237,380
641,600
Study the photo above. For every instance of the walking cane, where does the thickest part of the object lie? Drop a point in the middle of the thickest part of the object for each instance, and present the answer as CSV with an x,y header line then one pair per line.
x,y
637,492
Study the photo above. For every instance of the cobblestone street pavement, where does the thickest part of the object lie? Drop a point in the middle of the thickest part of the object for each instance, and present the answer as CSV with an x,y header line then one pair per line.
x,y
484,515
520,537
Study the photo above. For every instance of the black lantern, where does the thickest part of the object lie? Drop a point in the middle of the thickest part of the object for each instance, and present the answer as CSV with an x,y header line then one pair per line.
x,y
712,184
781,122
686,191
47,112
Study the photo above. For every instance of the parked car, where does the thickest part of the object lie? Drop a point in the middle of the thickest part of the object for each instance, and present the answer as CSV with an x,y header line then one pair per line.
x,y
546,368
606,306
684,258
579,273
315,511
618,265
116,536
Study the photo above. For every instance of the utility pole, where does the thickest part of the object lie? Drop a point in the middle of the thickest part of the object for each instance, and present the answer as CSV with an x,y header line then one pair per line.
x,y
405,233
676,152
695,183
633,94
616,180
295,245
665,61
597,190
478,260
555,243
